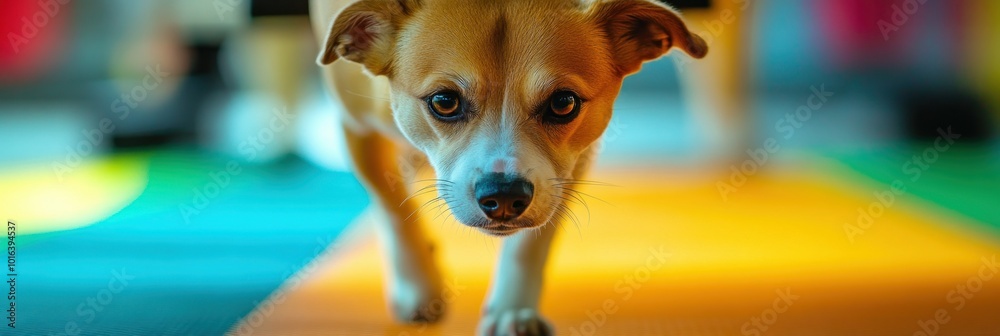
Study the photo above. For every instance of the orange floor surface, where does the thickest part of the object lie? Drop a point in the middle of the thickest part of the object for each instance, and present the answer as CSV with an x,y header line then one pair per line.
x,y
773,259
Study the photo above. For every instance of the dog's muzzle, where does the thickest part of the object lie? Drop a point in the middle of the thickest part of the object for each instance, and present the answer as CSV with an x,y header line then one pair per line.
x,y
503,197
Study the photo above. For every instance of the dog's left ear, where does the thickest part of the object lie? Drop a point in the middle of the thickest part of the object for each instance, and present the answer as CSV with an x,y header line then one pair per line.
x,y
644,30
365,32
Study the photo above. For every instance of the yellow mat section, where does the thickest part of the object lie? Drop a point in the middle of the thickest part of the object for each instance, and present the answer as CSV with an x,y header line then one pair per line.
x,y
772,260
41,199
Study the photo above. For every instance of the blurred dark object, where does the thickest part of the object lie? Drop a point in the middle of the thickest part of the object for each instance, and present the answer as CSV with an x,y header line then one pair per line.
x,y
279,8
916,54
124,143
688,3
202,82
206,60
927,110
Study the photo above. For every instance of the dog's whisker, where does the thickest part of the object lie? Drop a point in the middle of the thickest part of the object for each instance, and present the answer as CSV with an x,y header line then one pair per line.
x,y
556,218
453,221
571,198
446,209
436,199
369,97
560,181
586,206
576,219
560,208
565,205
486,240
566,199
579,231
433,180
588,195
580,202
415,196
564,217
557,221
576,180
441,209
566,208
589,184
451,214
422,191
438,207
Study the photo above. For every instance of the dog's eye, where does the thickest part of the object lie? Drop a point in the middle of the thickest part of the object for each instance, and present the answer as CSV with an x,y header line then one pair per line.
x,y
563,107
446,106
563,104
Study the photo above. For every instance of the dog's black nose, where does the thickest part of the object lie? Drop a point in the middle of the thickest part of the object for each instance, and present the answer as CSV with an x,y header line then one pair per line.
x,y
503,197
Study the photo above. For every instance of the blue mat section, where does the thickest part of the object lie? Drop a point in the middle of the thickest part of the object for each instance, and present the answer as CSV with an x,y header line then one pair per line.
x,y
159,268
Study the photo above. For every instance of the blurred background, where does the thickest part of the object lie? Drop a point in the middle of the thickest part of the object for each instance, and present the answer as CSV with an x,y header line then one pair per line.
x,y
187,150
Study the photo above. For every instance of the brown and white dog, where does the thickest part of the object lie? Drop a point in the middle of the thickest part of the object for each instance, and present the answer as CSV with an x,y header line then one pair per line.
x,y
506,99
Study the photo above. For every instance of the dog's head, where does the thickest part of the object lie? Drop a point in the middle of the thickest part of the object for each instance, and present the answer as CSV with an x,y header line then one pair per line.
x,y
505,96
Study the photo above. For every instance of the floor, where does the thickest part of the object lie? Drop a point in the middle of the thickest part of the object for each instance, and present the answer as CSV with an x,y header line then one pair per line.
x,y
664,254
661,253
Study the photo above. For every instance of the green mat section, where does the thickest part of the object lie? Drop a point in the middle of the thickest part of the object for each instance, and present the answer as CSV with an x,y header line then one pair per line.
x,y
963,179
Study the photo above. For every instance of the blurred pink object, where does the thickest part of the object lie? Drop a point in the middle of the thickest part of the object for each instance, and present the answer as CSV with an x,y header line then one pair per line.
x,y
33,36
860,33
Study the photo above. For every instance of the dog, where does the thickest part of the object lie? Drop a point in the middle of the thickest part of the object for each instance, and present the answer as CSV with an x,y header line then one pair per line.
x,y
505,99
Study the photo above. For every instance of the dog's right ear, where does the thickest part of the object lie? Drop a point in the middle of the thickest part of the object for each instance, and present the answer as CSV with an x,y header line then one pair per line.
x,y
365,33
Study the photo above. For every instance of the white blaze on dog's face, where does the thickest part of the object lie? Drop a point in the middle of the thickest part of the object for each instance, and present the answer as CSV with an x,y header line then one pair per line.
x,y
505,96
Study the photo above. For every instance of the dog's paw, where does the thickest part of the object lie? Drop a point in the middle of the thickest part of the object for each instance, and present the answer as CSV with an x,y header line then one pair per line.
x,y
414,302
514,322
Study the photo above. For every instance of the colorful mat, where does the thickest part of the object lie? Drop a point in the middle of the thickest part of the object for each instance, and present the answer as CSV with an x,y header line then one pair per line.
x,y
173,242
665,254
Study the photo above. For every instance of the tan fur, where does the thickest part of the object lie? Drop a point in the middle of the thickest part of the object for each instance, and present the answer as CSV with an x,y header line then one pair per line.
x,y
506,58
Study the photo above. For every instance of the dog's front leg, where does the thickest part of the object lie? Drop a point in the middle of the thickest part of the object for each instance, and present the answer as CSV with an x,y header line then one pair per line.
x,y
512,305
414,282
